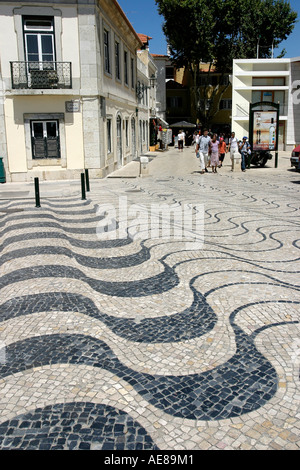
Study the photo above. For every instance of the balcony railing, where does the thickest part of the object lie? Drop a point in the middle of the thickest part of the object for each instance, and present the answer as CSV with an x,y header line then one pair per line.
x,y
41,75
241,112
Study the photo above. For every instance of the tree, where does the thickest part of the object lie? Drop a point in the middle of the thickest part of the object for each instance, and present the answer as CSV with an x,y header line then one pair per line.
x,y
217,31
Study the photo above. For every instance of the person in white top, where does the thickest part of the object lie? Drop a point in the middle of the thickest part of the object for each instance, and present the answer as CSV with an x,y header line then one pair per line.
x,y
202,150
233,147
181,137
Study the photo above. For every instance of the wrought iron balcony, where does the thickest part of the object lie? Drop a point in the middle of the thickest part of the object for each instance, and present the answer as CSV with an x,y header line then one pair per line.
x,y
41,75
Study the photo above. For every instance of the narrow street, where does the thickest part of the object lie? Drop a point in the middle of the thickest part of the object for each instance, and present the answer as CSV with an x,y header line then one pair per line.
x,y
152,343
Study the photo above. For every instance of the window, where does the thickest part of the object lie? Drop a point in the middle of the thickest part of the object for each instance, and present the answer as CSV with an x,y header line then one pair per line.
x,y
207,79
106,52
45,139
226,104
271,81
117,59
174,102
109,140
272,96
127,132
170,73
132,74
39,40
126,67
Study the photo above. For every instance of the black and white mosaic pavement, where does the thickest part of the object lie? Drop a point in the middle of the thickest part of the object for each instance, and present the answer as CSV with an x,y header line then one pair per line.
x,y
147,344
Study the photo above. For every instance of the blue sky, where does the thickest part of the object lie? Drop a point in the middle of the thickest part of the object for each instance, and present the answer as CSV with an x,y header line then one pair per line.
x,y
145,19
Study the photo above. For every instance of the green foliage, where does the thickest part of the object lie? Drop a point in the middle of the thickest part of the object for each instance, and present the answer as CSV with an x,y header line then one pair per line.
x,y
217,31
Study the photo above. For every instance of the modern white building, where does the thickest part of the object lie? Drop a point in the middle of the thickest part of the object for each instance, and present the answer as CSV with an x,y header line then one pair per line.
x,y
68,102
271,80
161,62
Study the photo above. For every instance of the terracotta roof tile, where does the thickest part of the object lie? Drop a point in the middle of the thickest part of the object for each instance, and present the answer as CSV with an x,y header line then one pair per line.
x,y
144,38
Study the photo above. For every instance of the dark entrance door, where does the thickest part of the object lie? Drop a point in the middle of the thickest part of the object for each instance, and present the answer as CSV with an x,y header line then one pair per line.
x,y
45,139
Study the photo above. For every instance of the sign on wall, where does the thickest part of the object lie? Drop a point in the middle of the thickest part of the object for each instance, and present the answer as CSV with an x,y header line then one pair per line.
x,y
264,126
73,106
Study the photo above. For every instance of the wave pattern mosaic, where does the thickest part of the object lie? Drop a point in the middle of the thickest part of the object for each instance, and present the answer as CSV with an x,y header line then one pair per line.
x,y
144,343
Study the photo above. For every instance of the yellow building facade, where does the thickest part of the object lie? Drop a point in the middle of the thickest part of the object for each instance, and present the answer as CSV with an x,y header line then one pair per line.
x,y
222,109
68,89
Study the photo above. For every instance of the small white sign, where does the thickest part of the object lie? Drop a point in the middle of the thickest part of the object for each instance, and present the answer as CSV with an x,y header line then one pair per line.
x,y
73,106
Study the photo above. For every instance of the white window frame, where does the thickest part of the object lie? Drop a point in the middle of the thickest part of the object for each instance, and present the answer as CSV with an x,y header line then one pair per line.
x,y
44,11
39,31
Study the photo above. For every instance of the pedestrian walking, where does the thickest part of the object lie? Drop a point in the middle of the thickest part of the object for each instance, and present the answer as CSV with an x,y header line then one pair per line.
x,y
196,136
202,150
244,148
222,151
214,152
181,137
233,147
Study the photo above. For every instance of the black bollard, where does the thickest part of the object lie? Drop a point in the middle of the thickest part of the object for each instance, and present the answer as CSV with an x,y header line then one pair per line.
x,y
82,187
87,180
37,192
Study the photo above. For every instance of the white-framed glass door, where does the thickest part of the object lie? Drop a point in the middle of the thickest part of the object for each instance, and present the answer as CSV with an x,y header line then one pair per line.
x,y
39,48
39,43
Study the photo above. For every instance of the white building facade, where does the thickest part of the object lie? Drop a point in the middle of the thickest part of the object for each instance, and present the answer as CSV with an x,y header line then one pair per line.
x,y
271,80
161,62
68,88
146,93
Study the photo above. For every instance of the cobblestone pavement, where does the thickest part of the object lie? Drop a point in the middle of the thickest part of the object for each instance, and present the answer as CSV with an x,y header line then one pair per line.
x,y
152,343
